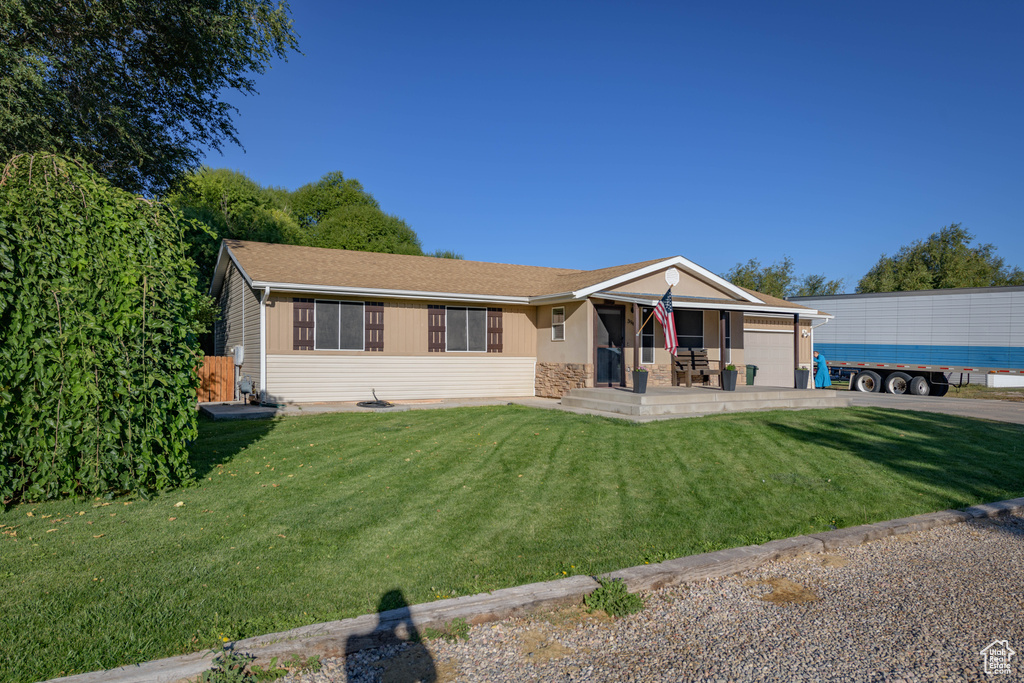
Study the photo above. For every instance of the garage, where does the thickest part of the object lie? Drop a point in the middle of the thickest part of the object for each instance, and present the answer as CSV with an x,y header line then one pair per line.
x,y
772,352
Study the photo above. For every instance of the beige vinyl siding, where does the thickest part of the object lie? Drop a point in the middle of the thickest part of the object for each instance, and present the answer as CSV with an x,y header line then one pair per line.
x,y
240,322
688,285
310,378
405,329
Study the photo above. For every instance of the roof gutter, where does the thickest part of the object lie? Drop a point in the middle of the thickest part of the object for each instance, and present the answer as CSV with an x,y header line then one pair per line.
x,y
291,288
709,305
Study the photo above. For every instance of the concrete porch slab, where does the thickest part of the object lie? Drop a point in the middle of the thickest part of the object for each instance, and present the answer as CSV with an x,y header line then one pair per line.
x,y
694,401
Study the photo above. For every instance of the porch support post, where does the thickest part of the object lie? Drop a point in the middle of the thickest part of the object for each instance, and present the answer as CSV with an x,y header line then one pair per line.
x,y
796,341
637,335
721,348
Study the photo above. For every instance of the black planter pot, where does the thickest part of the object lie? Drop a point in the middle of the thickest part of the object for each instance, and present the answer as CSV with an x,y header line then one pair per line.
x,y
640,382
800,378
729,380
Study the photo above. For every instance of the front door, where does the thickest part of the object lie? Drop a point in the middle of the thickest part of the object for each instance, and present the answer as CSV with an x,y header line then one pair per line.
x,y
609,335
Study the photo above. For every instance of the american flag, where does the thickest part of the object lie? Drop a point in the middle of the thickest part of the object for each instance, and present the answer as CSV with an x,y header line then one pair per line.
x,y
663,312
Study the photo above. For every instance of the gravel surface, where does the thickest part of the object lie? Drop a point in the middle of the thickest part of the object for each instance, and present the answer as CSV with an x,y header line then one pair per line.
x,y
919,607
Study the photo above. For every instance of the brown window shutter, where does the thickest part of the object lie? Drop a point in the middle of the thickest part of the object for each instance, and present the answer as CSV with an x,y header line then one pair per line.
x,y
302,324
494,330
436,340
374,326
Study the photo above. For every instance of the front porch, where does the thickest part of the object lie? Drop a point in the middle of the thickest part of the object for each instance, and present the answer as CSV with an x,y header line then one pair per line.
x,y
696,401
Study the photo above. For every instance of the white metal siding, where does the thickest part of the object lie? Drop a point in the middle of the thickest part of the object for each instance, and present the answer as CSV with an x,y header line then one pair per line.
x,y
307,378
963,319
772,353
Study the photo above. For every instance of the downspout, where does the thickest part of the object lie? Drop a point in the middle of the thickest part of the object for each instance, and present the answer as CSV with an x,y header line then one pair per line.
x,y
263,343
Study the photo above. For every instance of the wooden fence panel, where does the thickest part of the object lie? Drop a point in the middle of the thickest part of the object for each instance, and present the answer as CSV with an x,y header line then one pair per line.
x,y
217,379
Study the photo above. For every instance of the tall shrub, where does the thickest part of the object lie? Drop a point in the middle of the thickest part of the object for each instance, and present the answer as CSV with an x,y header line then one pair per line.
x,y
97,335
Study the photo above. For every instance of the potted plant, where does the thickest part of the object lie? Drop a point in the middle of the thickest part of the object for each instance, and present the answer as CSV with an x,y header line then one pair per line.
x,y
802,376
729,377
640,380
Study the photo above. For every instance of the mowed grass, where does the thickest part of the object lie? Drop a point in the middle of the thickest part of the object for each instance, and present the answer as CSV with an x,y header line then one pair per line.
x,y
315,518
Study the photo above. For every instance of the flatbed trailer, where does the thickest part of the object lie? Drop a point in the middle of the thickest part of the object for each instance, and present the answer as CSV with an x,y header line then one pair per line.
x,y
922,342
905,378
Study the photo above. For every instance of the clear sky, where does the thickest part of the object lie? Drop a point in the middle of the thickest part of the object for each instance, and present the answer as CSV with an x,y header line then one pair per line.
x,y
589,134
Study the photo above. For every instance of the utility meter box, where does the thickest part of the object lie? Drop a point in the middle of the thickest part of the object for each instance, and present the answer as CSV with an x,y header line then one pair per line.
x,y
239,353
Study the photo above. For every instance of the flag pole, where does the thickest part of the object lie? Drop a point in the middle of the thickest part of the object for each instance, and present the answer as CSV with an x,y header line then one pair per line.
x,y
639,329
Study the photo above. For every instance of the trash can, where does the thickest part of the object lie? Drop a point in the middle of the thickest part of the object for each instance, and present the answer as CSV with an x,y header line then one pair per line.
x,y
751,374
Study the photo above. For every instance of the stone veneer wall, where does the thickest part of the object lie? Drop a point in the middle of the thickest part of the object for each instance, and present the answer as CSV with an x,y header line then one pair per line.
x,y
657,376
555,379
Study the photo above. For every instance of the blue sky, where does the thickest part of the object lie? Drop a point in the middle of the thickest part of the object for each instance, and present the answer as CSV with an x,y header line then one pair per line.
x,y
589,134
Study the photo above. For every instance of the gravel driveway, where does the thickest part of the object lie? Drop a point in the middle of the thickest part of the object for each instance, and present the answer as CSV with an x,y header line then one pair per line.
x,y
919,607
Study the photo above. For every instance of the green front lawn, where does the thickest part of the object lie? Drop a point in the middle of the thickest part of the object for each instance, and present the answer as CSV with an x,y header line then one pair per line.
x,y
310,519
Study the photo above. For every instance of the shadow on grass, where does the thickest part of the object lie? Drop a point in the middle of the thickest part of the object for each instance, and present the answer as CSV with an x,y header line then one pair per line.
x,y
970,460
394,627
220,441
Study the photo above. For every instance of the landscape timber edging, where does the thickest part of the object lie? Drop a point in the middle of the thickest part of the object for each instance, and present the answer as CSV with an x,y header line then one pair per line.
x,y
337,638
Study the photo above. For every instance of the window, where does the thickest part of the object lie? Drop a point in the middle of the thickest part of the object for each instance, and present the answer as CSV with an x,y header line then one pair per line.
x,y
466,328
689,328
558,323
339,325
647,337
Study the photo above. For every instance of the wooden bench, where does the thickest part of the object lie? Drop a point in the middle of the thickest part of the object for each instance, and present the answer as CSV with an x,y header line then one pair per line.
x,y
692,362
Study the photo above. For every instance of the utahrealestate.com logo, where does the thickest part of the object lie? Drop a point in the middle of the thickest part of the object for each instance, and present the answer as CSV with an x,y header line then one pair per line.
x,y
997,657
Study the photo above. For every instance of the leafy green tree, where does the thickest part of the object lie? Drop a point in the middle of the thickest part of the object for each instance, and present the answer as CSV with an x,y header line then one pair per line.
x,y
229,205
363,228
98,308
818,285
945,260
446,253
133,87
776,279
311,203
779,279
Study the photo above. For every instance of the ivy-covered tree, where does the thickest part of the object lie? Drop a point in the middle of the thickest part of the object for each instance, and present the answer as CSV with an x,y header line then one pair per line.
x,y
945,260
98,351
134,87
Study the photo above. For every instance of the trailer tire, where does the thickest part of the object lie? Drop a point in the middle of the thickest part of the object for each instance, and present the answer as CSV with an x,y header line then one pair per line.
x,y
897,383
866,381
940,389
919,386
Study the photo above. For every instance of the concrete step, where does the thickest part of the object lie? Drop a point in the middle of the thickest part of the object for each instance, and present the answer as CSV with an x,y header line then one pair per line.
x,y
622,403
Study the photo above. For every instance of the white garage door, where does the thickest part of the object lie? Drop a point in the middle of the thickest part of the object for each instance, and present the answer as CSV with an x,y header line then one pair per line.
x,y
772,353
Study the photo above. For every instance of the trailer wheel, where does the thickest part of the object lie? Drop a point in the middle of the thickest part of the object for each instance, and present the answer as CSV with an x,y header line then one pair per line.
x,y
866,381
919,386
940,389
897,383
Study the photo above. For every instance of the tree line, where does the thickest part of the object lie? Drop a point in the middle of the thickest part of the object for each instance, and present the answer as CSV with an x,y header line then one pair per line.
x,y
945,260
334,212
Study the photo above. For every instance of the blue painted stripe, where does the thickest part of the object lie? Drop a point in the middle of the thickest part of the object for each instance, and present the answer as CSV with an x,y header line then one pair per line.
x,y
1009,357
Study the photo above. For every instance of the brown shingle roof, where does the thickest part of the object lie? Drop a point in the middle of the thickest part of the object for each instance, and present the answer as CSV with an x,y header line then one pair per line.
x,y
361,269
289,264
